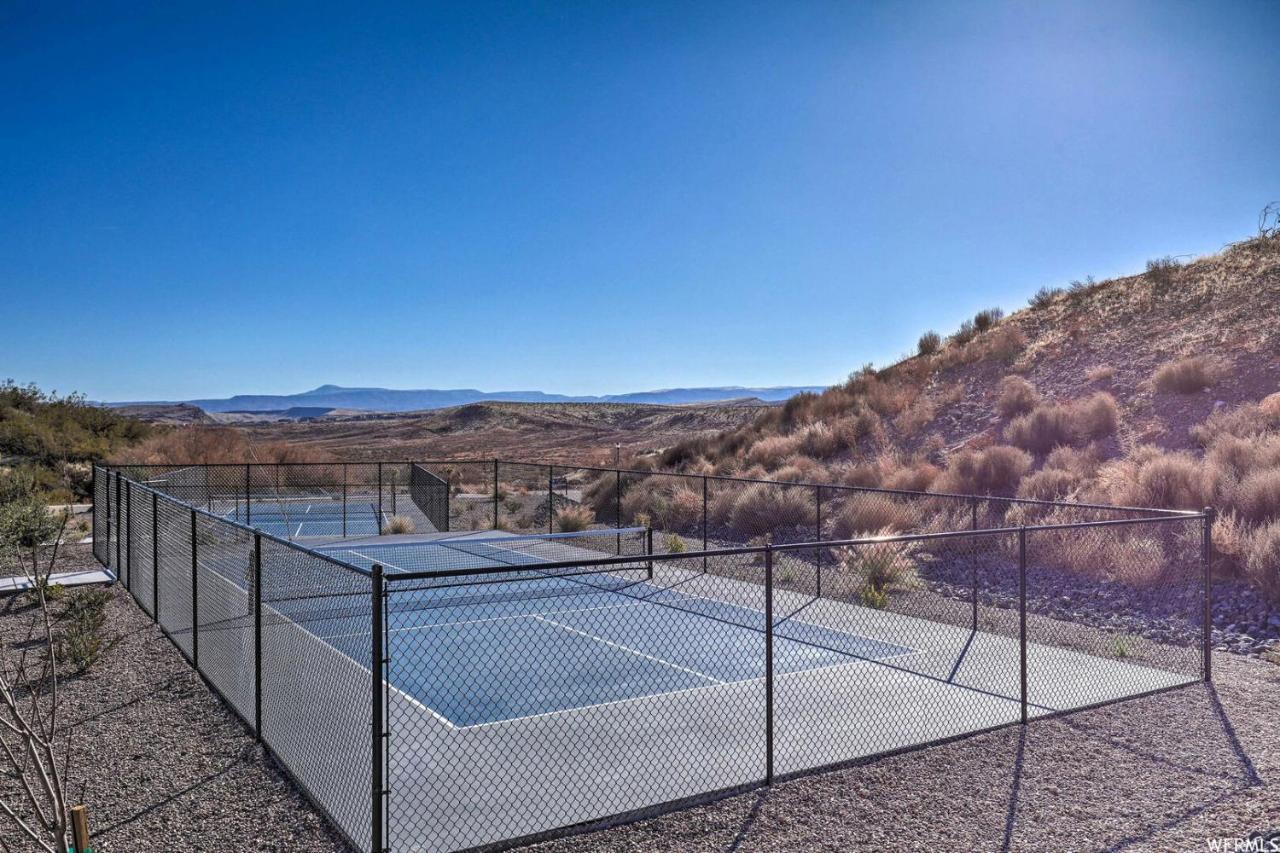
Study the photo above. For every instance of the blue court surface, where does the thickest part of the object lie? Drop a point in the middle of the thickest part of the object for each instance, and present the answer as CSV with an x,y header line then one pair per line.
x,y
301,519
482,653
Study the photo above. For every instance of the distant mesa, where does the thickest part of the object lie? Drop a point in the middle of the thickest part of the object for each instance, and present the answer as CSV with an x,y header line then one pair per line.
x,y
326,400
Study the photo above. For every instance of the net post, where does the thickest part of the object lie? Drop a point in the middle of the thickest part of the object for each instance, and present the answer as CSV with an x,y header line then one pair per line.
x,y
495,494
551,499
195,596
376,663
1022,619
648,550
1206,559
257,636
155,558
768,660
379,498
248,518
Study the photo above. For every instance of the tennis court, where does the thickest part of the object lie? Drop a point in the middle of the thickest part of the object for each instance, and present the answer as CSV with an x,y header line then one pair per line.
x,y
297,518
521,643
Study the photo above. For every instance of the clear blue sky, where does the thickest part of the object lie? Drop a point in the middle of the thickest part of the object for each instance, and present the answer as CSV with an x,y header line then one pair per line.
x,y
204,199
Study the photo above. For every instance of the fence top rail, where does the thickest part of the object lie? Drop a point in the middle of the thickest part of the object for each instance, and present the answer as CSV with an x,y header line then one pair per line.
x,y
1155,512
761,549
246,528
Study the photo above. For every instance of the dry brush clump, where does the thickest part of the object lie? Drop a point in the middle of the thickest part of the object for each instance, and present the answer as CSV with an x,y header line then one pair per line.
x,y
1188,375
991,471
1017,397
929,343
1262,562
572,519
1074,423
1048,484
762,508
862,514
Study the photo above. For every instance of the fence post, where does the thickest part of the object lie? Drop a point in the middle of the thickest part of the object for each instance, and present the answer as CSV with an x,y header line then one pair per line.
x,y
817,575
128,537
195,596
344,500
768,661
704,521
1207,559
495,494
617,506
257,635
1022,617
119,568
376,663
973,508
93,518
379,498
551,499
648,550
248,513
155,558
106,549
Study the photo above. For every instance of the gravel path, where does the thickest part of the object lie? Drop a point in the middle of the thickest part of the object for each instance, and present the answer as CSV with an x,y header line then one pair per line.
x,y
160,762
164,765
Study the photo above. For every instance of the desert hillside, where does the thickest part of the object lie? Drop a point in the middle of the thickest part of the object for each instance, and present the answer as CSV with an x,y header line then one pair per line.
x,y
1156,389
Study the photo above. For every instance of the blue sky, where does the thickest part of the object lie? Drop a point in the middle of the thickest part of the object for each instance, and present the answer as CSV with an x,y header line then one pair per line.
x,y
203,199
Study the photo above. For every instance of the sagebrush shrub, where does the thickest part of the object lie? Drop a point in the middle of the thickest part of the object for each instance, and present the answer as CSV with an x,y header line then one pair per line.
x,y
1017,397
992,471
399,524
1048,484
772,450
965,333
1262,562
1161,272
916,477
1074,423
863,514
1187,375
762,508
1172,480
987,319
1257,498
571,519
1045,296
929,343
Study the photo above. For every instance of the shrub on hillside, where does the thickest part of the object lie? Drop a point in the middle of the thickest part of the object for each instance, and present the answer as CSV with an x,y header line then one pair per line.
x,y
1172,480
1100,373
1017,397
819,441
1161,272
772,451
1045,296
571,519
987,319
1187,375
1262,560
763,508
991,471
915,477
1004,344
1075,423
929,343
1257,498
1081,461
1048,484
965,333
399,524
1243,421
865,513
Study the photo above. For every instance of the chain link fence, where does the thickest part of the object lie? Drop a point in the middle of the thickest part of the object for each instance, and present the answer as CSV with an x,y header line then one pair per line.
x,y
690,637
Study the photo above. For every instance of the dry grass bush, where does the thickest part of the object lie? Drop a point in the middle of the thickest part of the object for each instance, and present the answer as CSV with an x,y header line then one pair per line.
x,y
1262,562
1045,296
196,445
987,319
1243,421
964,334
761,508
571,519
1257,497
864,514
913,477
1172,480
1100,373
887,398
862,474
1004,344
1161,272
601,495
720,505
772,451
929,343
992,471
1074,423
916,417
1188,375
667,505
819,441
1231,540
399,524
1234,458
1017,397
1048,484
1081,461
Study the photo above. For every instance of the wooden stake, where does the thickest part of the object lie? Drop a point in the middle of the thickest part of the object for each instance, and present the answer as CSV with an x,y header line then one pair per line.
x,y
80,829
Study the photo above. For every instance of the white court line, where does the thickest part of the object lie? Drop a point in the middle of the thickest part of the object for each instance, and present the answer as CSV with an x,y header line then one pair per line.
x,y
635,652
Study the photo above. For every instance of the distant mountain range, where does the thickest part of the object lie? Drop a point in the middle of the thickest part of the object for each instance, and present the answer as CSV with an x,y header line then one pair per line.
x,y
393,400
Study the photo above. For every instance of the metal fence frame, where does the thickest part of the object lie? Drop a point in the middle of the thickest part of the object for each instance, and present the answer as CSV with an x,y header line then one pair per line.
x,y
127,541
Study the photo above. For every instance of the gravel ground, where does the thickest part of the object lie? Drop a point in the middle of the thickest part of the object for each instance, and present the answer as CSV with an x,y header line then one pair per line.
x,y
1162,773
161,763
